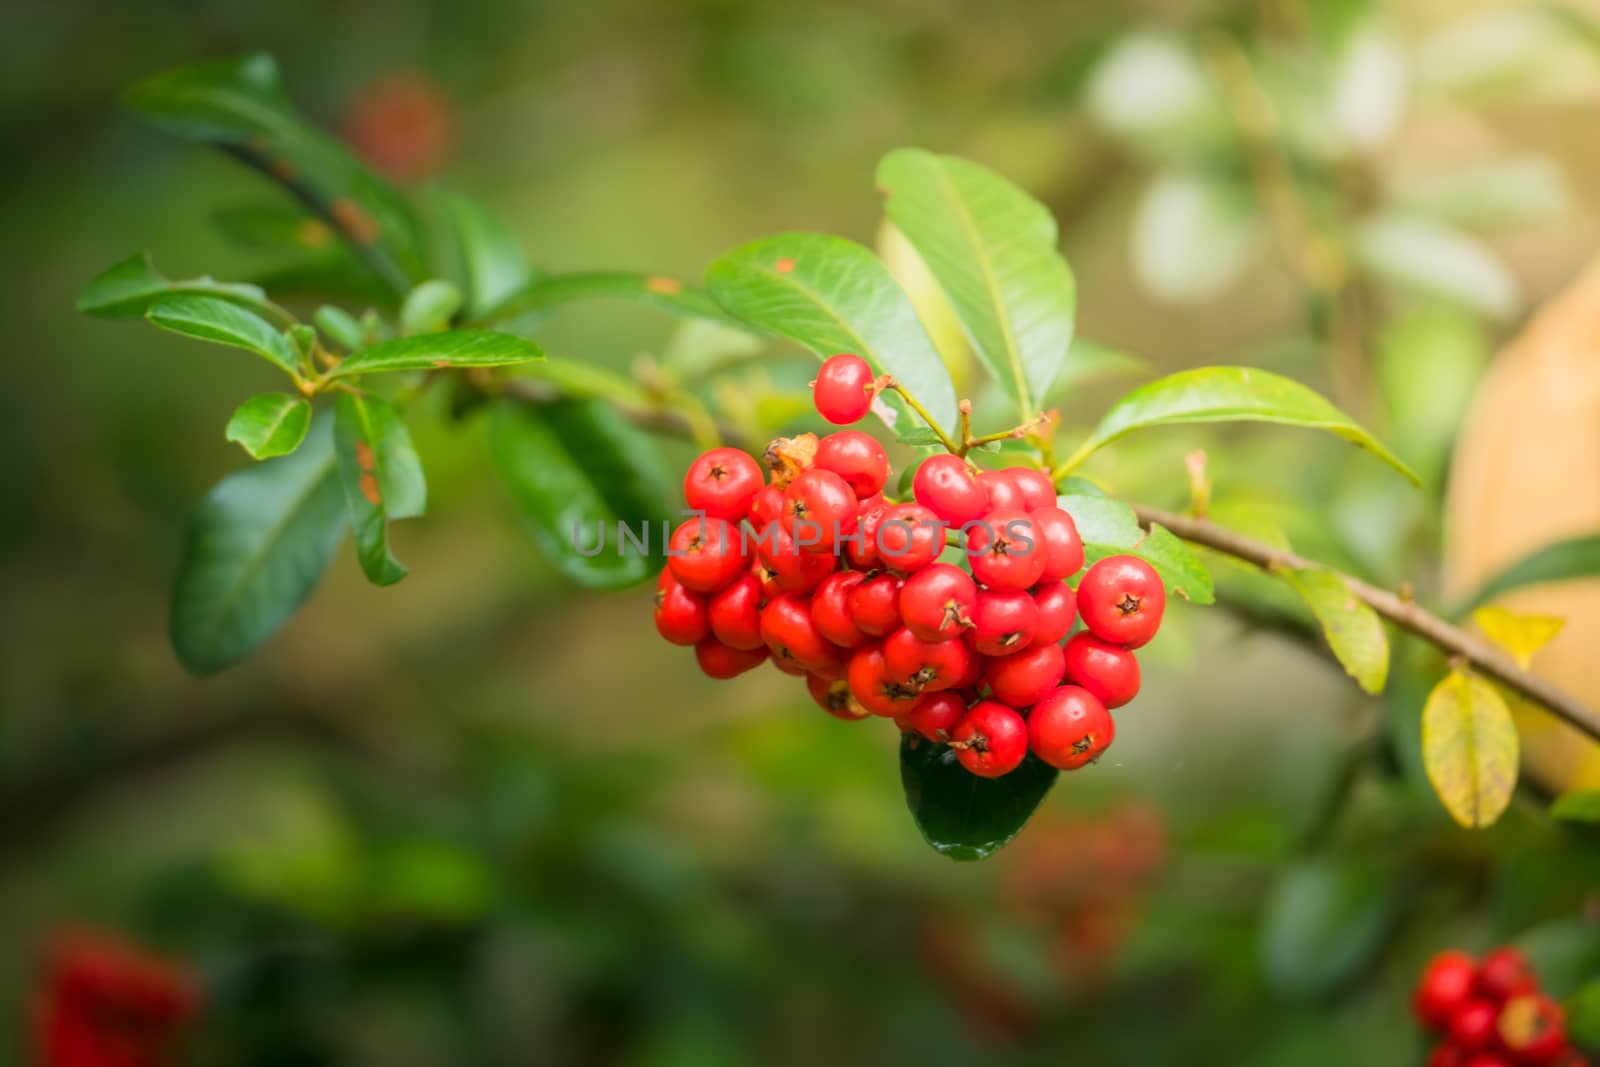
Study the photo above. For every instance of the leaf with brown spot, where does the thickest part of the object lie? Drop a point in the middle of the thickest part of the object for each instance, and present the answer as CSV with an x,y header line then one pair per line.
x,y
382,478
1469,748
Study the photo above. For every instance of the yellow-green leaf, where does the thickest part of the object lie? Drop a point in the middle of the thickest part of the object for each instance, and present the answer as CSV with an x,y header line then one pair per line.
x,y
1520,635
1354,631
1469,747
1580,806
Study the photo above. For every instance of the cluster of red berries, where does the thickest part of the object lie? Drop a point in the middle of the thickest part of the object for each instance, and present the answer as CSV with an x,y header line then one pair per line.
x,y
817,571
104,1003
1491,1013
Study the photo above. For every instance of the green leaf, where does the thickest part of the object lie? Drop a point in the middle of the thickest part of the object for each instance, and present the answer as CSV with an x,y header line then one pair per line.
x,y
428,307
130,287
832,295
208,318
382,479
1089,362
992,248
486,258
1558,561
254,552
1228,394
1583,1015
342,327
1580,806
1429,361
961,815
1354,631
919,437
458,348
272,424
1109,528
240,105
1509,192
1325,921
277,228
575,468
1469,747
1435,259
1193,236
652,290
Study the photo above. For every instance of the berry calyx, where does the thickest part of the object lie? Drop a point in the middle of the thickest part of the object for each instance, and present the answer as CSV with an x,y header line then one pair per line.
x,y
873,688
680,614
734,613
946,486
927,666
1069,728
723,483
1121,599
856,457
833,696
843,389
1022,679
1003,621
706,554
720,661
936,602
1108,671
1532,1027
1005,551
991,739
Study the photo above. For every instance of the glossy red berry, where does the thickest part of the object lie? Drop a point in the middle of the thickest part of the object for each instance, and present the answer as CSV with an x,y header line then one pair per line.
x,y
936,717
843,389
875,604
1061,545
717,660
870,684
734,613
1121,599
1003,492
830,609
833,697
707,554
856,457
1108,671
766,506
1447,1056
794,570
792,635
818,510
990,740
1533,1028
768,579
680,614
908,538
946,486
1005,551
928,666
862,549
1471,1027
1447,984
1023,678
1036,488
1486,1059
1069,728
936,602
1003,621
722,483
1058,610
1505,973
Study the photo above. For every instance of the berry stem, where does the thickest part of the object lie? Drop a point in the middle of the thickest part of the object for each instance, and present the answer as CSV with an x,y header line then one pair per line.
x,y
888,382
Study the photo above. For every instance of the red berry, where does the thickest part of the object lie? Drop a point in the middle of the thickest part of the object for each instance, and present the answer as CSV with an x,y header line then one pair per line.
x,y
936,716
1062,547
723,482
946,486
734,613
862,549
833,697
768,579
1505,973
1121,599
1036,488
1003,621
720,661
856,457
928,666
795,571
706,554
680,614
1003,492
1108,671
1058,610
1447,1056
1472,1024
874,690
1445,986
1024,677
990,740
766,506
875,604
1485,1059
819,509
1533,1028
1005,551
830,609
843,389
936,602
1069,727
908,538
788,630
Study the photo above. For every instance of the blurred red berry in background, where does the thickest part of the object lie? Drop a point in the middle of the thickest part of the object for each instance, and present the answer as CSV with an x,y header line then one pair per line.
x,y
402,125
101,1002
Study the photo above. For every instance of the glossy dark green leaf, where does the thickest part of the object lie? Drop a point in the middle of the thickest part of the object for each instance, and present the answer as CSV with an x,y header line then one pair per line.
x,y
1353,630
240,106
961,815
652,290
992,248
256,549
1558,561
208,318
272,424
832,295
129,288
485,257
382,479
1582,805
1325,922
458,348
1109,527
1229,394
575,470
